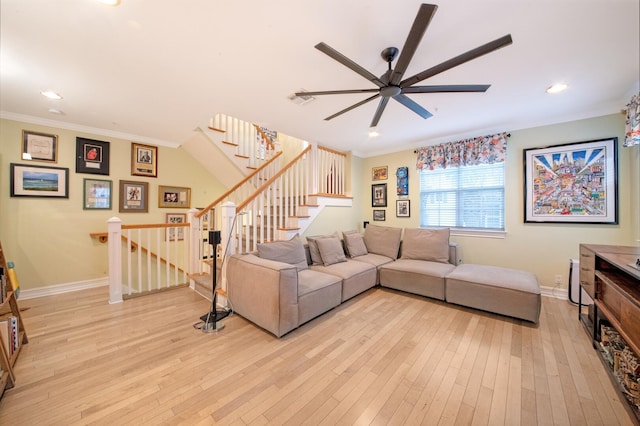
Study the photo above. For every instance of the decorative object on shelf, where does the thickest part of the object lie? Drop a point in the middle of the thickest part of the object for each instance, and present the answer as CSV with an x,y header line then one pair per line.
x,y
92,156
402,175
174,197
632,122
97,194
379,195
176,233
144,160
379,215
38,146
379,173
39,181
134,197
402,208
572,183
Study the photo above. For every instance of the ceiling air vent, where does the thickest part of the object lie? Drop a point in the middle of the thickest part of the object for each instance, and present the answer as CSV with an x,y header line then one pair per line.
x,y
300,100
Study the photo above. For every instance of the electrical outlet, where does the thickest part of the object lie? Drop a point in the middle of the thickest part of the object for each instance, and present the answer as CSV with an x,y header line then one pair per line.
x,y
558,279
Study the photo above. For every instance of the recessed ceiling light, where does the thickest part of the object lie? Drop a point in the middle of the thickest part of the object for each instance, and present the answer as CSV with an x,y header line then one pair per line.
x,y
110,2
50,94
55,111
557,88
373,133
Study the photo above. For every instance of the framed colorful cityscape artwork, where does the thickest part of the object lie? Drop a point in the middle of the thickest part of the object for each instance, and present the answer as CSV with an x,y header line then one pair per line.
x,y
572,183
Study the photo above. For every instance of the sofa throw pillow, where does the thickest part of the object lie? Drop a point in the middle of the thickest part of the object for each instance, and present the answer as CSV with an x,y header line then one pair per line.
x,y
291,251
426,244
354,243
331,250
316,259
383,240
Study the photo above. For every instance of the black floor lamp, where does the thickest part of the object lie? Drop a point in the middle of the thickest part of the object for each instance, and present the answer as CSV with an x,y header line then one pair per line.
x,y
212,317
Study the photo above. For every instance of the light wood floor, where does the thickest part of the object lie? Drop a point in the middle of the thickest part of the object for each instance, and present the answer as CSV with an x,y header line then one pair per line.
x,y
382,358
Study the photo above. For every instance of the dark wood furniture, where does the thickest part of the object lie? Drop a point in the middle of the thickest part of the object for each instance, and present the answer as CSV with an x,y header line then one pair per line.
x,y
609,275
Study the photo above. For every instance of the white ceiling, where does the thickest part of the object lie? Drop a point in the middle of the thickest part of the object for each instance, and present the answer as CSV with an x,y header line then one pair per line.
x,y
153,70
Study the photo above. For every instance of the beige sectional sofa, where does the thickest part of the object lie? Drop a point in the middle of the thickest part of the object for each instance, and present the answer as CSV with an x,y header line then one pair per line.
x,y
287,283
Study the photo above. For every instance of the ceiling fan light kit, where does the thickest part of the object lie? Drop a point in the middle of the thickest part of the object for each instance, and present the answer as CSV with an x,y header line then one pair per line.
x,y
392,86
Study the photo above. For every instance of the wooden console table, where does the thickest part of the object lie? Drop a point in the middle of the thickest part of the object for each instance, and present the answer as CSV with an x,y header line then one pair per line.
x,y
609,276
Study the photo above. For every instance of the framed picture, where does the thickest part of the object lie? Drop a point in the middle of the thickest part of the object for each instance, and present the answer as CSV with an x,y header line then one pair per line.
x,y
572,183
39,146
402,208
174,197
402,175
134,197
379,173
379,215
92,156
176,233
39,181
97,194
144,160
379,195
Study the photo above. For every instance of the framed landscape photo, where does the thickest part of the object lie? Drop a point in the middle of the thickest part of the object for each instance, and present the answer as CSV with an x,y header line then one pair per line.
x,y
134,197
96,194
379,195
39,181
144,160
379,215
92,156
38,146
176,233
402,208
174,197
379,173
572,183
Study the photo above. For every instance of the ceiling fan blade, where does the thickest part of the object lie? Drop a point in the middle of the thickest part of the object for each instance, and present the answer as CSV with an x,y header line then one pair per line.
x,y
337,92
420,24
458,60
352,107
381,106
326,49
447,88
413,106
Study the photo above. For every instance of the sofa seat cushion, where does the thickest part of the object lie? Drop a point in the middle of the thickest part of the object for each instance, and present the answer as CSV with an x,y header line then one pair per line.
x,y
317,293
356,276
416,276
503,291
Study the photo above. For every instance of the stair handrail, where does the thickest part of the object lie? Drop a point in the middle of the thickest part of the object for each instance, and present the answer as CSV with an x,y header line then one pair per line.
x,y
237,185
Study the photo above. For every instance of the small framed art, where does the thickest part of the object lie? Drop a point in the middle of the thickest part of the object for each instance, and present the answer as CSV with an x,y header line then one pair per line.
x,y
39,146
92,156
176,233
39,181
97,194
403,208
379,195
134,197
379,215
174,197
144,160
379,173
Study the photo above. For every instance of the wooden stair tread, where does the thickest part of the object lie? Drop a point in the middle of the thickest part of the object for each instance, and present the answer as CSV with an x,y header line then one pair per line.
x,y
286,228
216,129
229,143
241,156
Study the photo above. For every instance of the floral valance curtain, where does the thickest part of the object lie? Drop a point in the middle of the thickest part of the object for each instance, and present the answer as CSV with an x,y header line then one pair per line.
x,y
468,152
632,125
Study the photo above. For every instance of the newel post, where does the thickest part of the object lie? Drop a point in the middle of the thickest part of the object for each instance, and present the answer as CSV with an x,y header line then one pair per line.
x,y
228,243
114,228
195,244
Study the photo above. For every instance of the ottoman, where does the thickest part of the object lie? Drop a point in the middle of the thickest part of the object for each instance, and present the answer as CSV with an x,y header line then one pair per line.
x,y
502,291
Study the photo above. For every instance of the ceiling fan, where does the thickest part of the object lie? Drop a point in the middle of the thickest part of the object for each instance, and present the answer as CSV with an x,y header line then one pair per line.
x,y
392,86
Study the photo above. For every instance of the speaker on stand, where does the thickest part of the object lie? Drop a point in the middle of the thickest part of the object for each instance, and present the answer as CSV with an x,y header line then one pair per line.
x,y
212,317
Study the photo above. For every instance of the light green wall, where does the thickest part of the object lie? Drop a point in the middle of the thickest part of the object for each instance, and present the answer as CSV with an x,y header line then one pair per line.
x,y
544,249
48,239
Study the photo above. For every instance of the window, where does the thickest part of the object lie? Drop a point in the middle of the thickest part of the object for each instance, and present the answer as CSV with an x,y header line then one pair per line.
x,y
469,197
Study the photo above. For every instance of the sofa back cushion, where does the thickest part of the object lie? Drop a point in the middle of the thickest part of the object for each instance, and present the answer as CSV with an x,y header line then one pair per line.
x,y
354,243
291,251
331,250
426,244
383,240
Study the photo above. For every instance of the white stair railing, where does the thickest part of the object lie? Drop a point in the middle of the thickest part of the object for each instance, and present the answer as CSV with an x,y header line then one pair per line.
x,y
252,141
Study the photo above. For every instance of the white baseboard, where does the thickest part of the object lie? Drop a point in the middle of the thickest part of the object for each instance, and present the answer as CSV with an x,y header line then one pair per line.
x,y
63,288
555,292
